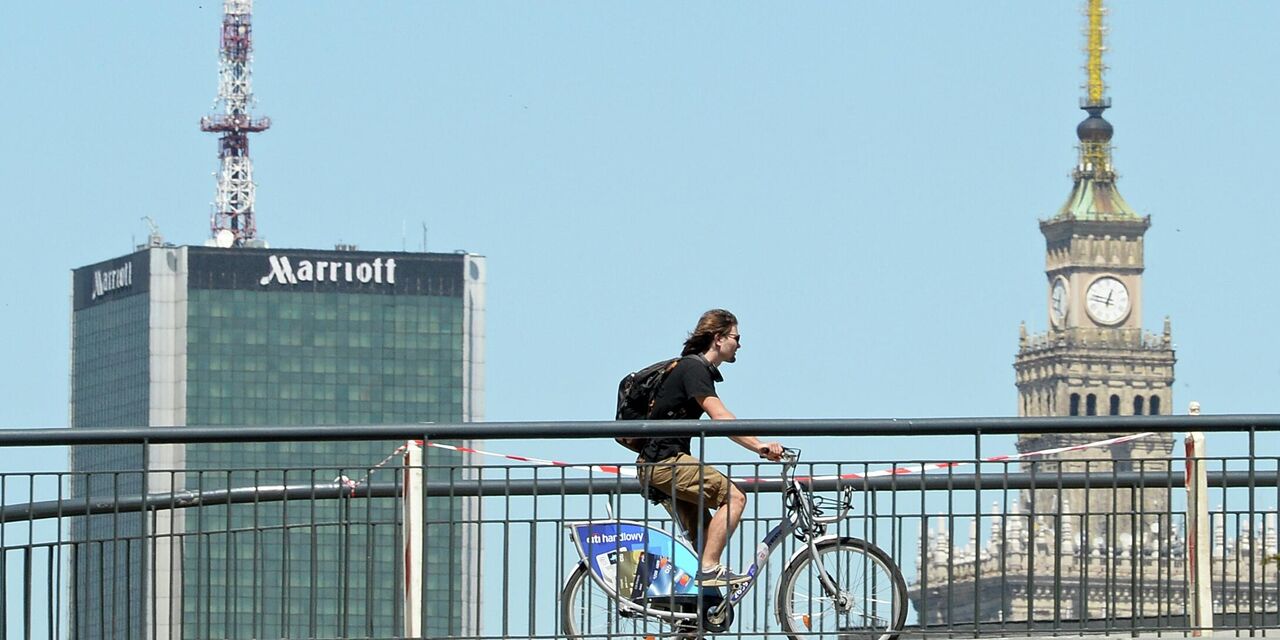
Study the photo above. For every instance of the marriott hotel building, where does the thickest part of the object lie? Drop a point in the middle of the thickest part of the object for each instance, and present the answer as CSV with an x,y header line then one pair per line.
x,y
186,336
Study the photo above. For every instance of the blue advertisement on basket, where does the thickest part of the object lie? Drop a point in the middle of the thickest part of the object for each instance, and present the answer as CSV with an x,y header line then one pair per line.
x,y
637,560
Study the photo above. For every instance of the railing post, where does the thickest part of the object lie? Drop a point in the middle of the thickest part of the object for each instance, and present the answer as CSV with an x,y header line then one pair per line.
x,y
414,530
146,588
1200,582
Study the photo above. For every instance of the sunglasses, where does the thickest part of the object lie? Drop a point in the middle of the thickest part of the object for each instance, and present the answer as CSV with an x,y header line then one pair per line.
x,y
736,338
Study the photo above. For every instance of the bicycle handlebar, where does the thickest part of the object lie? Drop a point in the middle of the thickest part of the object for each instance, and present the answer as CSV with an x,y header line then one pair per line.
x,y
790,459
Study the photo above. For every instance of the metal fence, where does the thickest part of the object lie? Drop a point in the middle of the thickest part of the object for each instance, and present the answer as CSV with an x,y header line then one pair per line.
x,y
1084,530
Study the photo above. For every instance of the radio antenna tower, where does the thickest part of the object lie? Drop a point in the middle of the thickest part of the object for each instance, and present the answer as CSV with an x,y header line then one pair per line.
x,y
232,223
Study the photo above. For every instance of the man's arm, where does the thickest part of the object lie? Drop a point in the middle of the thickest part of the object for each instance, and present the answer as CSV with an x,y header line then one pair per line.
x,y
715,408
717,411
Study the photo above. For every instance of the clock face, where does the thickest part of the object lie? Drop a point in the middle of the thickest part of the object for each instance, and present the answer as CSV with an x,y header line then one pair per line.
x,y
1058,302
1107,300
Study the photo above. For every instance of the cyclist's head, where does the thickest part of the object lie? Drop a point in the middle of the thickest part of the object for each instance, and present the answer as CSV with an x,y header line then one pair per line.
x,y
714,325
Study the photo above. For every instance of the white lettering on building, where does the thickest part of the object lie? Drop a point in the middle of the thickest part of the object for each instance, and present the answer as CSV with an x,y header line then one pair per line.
x,y
378,271
105,282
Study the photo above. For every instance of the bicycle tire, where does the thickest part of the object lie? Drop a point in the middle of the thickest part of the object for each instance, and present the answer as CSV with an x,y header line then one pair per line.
x,y
588,611
861,570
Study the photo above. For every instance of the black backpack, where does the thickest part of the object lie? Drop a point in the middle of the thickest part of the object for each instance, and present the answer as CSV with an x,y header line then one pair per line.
x,y
636,395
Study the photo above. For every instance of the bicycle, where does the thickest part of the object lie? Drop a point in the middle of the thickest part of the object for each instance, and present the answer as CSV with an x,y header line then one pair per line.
x,y
633,577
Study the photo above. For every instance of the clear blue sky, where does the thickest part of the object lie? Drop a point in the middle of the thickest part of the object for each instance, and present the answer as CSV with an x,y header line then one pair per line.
x,y
859,182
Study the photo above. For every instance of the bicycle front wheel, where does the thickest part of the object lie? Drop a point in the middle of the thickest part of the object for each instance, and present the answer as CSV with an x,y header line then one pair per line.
x,y
871,602
588,611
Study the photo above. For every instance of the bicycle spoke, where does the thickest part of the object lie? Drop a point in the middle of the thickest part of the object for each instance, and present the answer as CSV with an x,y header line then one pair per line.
x,y
867,605
590,612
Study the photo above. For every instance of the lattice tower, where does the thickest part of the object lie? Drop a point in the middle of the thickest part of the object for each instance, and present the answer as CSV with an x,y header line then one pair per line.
x,y
233,204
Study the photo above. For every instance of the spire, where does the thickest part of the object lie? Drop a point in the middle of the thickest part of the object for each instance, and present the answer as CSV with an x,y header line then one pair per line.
x,y
1097,88
941,542
970,549
1094,196
1269,534
1095,132
997,523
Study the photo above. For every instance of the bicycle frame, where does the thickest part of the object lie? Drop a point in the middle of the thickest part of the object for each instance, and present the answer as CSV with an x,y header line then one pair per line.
x,y
801,515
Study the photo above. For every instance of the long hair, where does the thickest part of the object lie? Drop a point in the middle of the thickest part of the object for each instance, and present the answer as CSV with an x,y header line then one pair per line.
x,y
713,324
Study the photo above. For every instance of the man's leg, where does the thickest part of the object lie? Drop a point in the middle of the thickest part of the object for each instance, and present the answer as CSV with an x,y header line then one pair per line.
x,y
693,519
698,487
722,526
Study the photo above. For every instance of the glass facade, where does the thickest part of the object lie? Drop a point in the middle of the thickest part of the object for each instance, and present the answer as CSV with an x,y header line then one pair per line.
x,y
299,358
288,358
110,362
109,389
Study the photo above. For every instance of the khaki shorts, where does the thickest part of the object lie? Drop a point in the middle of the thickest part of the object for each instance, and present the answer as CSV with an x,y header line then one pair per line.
x,y
696,487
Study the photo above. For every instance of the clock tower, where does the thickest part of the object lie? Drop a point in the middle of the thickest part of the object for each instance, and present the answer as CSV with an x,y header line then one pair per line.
x,y
1095,359
1061,553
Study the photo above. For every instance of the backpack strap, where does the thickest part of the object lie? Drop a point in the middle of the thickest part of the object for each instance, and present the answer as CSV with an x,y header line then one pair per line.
x,y
666,371
715,371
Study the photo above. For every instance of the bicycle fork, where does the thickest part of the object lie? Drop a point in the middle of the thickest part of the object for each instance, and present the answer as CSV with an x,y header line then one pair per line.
x,y
843,601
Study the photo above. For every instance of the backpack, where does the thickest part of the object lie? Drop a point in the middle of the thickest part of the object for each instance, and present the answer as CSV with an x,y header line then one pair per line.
x,y
636,394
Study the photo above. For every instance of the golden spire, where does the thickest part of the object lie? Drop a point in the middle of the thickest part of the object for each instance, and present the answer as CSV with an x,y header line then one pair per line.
x,y
1095,132
1094,196
1094,48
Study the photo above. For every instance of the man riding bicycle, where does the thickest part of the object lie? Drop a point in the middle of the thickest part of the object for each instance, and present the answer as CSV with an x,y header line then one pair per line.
x,y
668,466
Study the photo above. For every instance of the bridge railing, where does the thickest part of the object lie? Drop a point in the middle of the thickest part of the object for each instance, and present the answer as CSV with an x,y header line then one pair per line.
x,y
144,538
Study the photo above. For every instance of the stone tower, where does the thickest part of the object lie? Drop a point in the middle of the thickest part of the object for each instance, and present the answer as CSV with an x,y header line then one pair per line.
x,y
1096,359
1097,554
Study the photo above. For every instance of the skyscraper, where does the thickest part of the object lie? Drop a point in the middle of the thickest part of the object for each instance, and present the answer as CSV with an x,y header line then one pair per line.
x,y
186,336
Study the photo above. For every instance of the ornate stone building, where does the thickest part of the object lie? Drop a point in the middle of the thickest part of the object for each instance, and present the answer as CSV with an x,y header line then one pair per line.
x,y
1076,554
1070,552
1096,359
1032,568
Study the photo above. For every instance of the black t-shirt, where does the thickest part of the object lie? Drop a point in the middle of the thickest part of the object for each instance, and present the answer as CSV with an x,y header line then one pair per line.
x,y
677,399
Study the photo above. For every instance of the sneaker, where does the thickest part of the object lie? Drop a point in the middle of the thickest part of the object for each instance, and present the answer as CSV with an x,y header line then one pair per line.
x,y
719,576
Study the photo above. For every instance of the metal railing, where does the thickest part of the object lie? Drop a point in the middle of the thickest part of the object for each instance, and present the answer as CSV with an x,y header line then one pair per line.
x,y
989,544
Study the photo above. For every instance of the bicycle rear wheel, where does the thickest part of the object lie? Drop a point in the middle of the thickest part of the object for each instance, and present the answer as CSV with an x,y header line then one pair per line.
x,y
871,604
588,611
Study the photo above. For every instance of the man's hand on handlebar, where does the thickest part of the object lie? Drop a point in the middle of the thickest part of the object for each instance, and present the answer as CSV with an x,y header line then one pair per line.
x,y
770,451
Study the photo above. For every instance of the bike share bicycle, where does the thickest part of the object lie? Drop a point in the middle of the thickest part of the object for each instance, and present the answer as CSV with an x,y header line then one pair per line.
x,y
637,581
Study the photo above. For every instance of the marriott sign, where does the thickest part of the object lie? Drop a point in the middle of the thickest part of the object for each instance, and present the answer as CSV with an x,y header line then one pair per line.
x,y
270,270
105,282
377,271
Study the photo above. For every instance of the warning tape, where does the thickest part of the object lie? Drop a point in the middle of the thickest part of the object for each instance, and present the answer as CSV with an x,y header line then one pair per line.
x,y
629,472
599,468
936,466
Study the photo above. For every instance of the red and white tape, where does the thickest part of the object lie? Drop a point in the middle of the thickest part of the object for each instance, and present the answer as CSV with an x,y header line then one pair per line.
x,y
630,472
593,468
935,466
